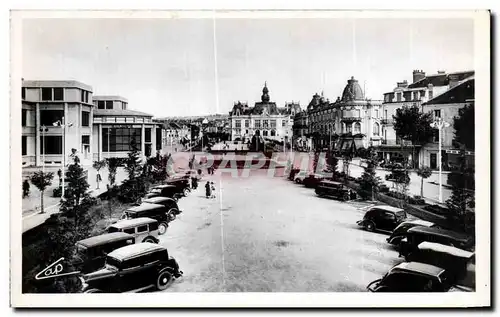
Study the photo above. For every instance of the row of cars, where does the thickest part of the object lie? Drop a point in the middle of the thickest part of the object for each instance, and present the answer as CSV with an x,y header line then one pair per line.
x,y
127,257
435,259
323,187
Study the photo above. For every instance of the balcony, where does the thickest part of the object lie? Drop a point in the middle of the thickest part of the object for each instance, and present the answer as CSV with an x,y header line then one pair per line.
x,y
387,121
395,142
351,119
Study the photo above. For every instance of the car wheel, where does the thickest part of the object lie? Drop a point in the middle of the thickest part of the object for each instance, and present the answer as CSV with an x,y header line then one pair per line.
x,y
162,228
297,181
185,192
370,226
345,197
171,213
92,290
150,240
164,277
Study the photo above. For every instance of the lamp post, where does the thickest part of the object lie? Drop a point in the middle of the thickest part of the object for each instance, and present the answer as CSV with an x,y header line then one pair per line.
x,y
60,123
43,129
439,124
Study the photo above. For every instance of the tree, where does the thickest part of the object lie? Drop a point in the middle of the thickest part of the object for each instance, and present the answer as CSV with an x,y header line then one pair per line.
x,y
332,163
137,183
463,123
412,125
133,162
424,172
41,180
370,182
97,165
113,164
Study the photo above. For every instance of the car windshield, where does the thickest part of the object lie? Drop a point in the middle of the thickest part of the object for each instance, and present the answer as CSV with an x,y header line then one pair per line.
x,y
112,263
401,214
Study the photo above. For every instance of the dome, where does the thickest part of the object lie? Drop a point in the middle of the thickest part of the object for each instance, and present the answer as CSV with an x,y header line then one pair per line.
x,y
352,91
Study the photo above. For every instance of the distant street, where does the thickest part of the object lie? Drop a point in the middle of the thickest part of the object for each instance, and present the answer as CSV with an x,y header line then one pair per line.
x,y
269,234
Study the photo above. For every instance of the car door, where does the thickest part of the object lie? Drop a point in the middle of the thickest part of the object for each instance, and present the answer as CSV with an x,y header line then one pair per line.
x,y
388,220
130,276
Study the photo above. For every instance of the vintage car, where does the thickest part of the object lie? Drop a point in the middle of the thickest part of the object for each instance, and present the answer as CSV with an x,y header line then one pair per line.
x,y
452,259
183,184
312,180
292,174
169,203
419,234
170,191
333,189
133,268
154,211
413,277
400,231
397,174
90,253
299,177
382,218
143,229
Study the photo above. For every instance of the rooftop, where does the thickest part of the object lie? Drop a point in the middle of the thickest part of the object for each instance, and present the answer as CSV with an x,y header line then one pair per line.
x,y
104,238
102,97
438,247
422,268
155,200
440,232
134,250
441,79
460,93
120,113
144,207
56,84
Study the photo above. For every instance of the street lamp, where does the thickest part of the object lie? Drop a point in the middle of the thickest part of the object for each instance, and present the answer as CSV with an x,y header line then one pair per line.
x,y
60,123
439,124
43,129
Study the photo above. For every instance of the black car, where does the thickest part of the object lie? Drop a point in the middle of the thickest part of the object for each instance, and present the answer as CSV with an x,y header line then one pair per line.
x,y
326,188
90,253
150,210
382,218
133,268
182,184
292,174
313,180
171,207
412,277
170,191
400,231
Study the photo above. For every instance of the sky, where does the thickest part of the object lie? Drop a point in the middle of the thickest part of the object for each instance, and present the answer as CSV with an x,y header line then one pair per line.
x,y
186,66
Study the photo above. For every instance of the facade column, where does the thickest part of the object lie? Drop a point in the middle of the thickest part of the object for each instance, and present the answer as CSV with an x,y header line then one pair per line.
x,y
143,138
99,143
37,135
65,132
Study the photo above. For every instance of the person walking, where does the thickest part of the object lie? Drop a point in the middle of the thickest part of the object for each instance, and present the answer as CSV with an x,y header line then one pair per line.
x,y
208,190
26,188
212,189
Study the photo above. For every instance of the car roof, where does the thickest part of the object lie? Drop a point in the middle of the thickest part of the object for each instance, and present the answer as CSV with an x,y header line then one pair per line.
x,y
133,250
104,238
440,232
438,247
132,222
420,222
330,182
163,186
387,208
418,267
158,199
145,207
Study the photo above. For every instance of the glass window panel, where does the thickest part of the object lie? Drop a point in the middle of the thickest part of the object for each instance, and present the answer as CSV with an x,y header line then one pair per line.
x,y
58,94
46,94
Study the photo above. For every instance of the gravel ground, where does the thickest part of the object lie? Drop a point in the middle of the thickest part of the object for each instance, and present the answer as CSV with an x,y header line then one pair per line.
x,y
264,234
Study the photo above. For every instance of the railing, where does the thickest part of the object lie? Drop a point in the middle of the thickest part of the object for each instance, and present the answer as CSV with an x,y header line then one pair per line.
x,y
351,119
396,142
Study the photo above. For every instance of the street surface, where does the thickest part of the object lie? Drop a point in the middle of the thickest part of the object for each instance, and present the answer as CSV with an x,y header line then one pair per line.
x,y
263,234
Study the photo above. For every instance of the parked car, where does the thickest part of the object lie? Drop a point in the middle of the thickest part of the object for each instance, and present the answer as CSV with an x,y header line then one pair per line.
x,y
170,191
133,268
300,176
333,189
413,277
397,174
312,180
417,235
383,218
169,203
182,183
90,253
454,260
292,174
153,211
143,229
400,231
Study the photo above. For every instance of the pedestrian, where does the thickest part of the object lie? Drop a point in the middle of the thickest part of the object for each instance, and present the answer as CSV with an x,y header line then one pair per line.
x,y
59,174
26,188
212,187
208,190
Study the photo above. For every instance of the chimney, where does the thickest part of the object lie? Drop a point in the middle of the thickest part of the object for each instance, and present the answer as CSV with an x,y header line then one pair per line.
x,y
403,84
418,75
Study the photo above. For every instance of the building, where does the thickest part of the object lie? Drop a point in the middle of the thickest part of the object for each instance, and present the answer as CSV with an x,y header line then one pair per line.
x,y
301,139
422,89
322,117
115,126
57,117
265,119
446,107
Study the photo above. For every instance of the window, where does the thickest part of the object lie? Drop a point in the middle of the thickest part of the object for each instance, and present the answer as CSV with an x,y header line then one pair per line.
x,y
358,113
385,114
273,123
398,97
109,104
158,139
100,104
84,96
49,117
129,230
23,93
142,228
265,123
376,113
415,95
257,124
147,135
124,105
357,127
85,139
46,94
247,124
376,129
53,144
273,132
283,123
264,133
58,94
119,139
24,117
237,123
435,135
85,118
348,128
437,113
24,145
431,94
